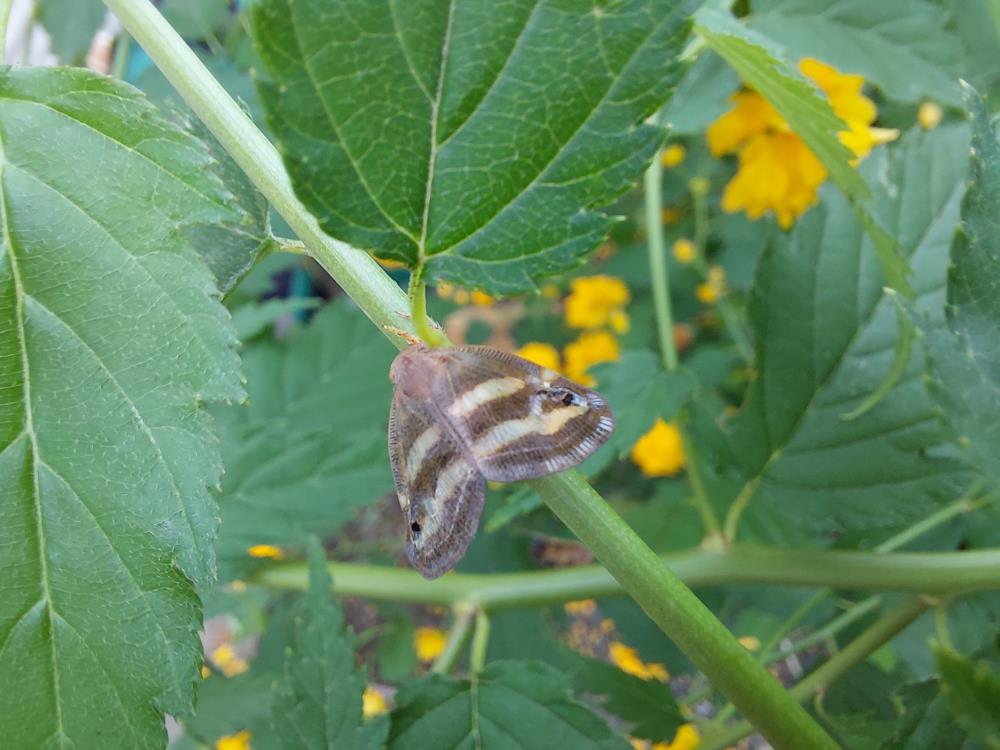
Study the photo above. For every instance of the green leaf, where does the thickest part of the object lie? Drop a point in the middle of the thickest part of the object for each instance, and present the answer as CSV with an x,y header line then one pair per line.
x,y
230,248
311,448
196,19
318,704
763,66
927,723
647,707
972,687
640,391
501,127
826,334
253,318
110,336
966,365
510,704
901,46
71,25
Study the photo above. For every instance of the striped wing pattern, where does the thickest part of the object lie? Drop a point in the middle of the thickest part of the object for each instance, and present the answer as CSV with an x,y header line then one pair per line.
x,y
464,415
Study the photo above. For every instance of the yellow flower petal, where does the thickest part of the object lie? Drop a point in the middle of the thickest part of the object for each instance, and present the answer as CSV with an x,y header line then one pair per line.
x,y
581,608
481,299
686,738
373,703
238,741
266,551
592,299
660,452
543,355
590,348
929,115
672,155
627,660
428,643
685,250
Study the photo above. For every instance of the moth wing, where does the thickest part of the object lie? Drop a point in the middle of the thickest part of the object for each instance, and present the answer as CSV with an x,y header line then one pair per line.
x,y
516,420
441,494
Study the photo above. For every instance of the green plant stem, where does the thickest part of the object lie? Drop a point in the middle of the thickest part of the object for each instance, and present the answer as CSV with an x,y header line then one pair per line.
x,y
939,573
417,295
849,617
660,280
354,270
5,6
736,510
480,640
881,631
457,638
680,614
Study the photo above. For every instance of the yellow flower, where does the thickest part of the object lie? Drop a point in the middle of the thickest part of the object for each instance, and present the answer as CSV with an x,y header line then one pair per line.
x,y
266,550
481,299
777,172
749,642
462,297
686,738
373,703
672,155
543,355
713,287
445,289
428,643
619,322
227,660
593,299
627,660
591,348
660,452
238,741
205,672
685,250
929,115
389,263
699,185
582,607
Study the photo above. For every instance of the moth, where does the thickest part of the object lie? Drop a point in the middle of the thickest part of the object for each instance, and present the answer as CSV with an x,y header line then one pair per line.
x,y
466,415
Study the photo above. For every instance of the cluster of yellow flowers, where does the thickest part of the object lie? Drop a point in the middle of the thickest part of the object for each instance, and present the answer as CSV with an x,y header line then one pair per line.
x,y
777,171
686,738
446,290
660,452
594,304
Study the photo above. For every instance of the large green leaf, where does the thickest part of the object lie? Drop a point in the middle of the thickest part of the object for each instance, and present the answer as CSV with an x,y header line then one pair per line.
x,y
318,703
966,365
511,704
902,46
310,448
826,333
110,336
972,689
475,138
71,25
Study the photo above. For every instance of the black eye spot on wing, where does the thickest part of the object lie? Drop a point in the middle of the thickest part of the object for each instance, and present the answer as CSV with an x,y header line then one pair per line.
x,y
569,399
415,527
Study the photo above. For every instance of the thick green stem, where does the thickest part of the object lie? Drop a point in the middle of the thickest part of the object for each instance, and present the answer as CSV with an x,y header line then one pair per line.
x,y
881,631
680,614
354,270
940,573
480,640
417,294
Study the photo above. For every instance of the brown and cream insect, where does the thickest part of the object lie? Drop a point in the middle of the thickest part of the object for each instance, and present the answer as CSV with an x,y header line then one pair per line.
x,y
464,415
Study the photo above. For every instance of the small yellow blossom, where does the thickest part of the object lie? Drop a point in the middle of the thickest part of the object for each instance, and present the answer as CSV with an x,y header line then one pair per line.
x,y
237,586
685,250
227,660
713,287
428,643
777,172
591,348
462,297
929,115
749,642
686,738
581,608
672,155
238,741
267,551
660,452
373,703
619,322
607,626
627,660
445,289
481,299
543,355
670,215
389,263
205,672
593,299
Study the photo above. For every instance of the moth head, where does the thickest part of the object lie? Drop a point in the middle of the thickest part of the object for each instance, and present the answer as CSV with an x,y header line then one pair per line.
x,y
413,372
